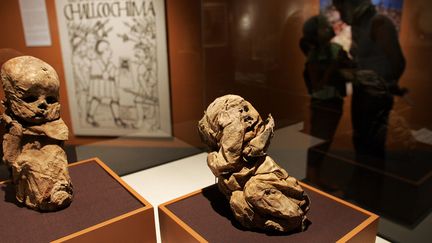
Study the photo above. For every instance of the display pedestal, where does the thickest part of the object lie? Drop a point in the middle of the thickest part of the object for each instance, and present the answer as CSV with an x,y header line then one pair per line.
x,y
205,215
398,187
104,209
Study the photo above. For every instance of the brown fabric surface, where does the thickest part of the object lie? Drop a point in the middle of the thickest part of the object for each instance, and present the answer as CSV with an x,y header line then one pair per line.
x,y
97,198
208,214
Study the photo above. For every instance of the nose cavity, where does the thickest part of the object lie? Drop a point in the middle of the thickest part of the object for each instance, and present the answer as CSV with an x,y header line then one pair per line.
x,y
43,105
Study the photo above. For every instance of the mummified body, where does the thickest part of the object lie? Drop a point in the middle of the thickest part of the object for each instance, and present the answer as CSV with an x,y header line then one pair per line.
x,y
261,194
32,144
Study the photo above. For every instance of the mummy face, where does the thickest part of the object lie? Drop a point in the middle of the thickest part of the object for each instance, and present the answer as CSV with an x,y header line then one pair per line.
x,y
31,89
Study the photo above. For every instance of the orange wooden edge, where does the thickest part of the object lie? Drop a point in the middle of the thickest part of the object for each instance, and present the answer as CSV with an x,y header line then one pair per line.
x,y
112,174
118,218
371,219
107,222
180,222
97,226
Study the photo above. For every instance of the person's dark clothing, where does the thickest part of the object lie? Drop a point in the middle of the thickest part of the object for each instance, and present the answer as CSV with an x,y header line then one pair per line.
x,y
323,77
380,62
326,84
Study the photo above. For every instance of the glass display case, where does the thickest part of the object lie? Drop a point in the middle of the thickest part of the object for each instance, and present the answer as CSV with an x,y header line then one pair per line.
x,y
362,138
347,83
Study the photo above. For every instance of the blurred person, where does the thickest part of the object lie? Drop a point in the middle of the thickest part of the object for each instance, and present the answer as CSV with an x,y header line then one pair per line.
x,y
380,64
341,29
325,79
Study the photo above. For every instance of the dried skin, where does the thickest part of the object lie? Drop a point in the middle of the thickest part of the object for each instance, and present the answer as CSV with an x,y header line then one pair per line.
x,y
261,194
37,187
32,145
31,88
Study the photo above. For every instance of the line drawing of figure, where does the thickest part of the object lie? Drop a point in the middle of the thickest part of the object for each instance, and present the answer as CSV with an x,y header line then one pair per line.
x,y
129,87
81,64
81,39
146,101
142,86
126,82
103,86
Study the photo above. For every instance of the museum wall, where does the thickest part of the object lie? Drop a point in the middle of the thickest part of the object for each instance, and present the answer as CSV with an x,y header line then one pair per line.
x,y
184,45
259,58
246,47
185,58
416,40
251,48
415,37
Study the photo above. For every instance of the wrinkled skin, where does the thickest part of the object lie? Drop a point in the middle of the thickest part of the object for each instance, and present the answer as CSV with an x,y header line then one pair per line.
x,y
261,194
31,88
35,133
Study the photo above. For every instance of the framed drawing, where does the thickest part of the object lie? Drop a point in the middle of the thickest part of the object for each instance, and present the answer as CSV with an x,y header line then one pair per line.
x,y
115,62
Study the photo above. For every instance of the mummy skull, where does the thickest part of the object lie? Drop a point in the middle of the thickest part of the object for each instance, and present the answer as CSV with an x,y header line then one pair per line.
x,y
32,144
31,88
261,194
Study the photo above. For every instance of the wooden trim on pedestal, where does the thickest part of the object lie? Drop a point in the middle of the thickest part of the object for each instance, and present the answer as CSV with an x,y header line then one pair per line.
x,y
181,232
139,224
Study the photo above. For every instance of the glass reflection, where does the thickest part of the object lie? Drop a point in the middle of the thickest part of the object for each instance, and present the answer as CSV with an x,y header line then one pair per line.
x,y
338,72
325,75
380,64
373,64
355,42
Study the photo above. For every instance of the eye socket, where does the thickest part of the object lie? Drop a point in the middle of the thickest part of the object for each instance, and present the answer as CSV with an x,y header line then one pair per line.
x,y
51,99
30,99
